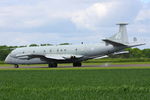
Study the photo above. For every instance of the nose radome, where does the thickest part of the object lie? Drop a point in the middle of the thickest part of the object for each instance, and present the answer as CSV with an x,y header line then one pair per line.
x,y
7,60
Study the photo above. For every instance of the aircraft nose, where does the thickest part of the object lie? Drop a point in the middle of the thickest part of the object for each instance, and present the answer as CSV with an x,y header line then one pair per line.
x,y
7,60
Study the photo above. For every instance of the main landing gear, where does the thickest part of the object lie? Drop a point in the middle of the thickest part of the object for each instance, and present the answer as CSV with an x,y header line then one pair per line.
x,y
52,65
16,66
77,64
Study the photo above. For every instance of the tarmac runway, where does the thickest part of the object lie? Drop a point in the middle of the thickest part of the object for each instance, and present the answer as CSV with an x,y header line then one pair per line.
x,y
103,65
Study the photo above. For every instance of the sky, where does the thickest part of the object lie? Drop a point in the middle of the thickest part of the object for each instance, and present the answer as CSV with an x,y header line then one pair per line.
x,y
71,21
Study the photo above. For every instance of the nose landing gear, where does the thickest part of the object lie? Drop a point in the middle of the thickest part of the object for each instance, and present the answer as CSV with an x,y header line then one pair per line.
x,y
16,66
52,65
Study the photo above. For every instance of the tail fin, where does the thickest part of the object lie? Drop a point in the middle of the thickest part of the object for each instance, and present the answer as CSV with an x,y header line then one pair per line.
x,y
121,36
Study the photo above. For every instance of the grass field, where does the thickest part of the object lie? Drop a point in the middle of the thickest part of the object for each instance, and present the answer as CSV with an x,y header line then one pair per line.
x,y
75,84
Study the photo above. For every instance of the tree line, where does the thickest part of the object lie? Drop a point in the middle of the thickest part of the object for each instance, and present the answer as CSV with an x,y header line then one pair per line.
x,y
133,52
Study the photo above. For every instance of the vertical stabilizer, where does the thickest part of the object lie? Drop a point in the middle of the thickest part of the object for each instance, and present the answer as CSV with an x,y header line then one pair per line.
x,y
121,36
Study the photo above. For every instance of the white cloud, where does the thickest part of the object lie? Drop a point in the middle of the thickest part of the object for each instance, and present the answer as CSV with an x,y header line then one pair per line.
x,y
142,21
143,15
19,16
20,22
21,38
89,17
25,16
104,13
34,13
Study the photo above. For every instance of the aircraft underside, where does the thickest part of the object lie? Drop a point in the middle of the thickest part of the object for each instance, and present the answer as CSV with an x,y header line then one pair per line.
x,y
51,62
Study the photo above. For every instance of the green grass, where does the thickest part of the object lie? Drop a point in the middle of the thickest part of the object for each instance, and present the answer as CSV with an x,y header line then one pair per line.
x,y
75,84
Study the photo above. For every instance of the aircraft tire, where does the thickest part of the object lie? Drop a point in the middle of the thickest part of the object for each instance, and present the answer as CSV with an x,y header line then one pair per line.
x,y
52,65
55,65
16,66
77,64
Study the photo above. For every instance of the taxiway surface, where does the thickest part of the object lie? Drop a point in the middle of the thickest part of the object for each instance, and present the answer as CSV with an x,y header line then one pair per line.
x,y
103,65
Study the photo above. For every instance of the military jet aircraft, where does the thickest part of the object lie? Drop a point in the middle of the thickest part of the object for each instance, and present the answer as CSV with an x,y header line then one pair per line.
x,y
52,55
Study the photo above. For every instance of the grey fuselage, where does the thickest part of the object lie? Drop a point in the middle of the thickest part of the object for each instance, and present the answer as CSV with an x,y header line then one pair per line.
x,y
89,51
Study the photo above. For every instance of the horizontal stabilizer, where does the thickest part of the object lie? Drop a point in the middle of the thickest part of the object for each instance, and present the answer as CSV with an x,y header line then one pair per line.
x,y
116,53
135,44
101,57
114,42
122,52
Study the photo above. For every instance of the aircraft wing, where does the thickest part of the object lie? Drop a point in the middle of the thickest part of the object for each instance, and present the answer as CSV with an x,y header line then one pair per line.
x,y
115,53
49,56
135,44
56,57
101,57
62,56
122,52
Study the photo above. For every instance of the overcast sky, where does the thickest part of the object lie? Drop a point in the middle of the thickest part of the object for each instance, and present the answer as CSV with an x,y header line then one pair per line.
x,y
24,22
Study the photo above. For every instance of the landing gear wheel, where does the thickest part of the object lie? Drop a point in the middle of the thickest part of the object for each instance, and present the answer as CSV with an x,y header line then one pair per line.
x,y
16,66
77,64
52,65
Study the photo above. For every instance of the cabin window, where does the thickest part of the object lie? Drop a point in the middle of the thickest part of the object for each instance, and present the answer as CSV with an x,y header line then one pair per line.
x,y
44,50
23,52
57,50
61,50
65,50
50,51
33,51
76,49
